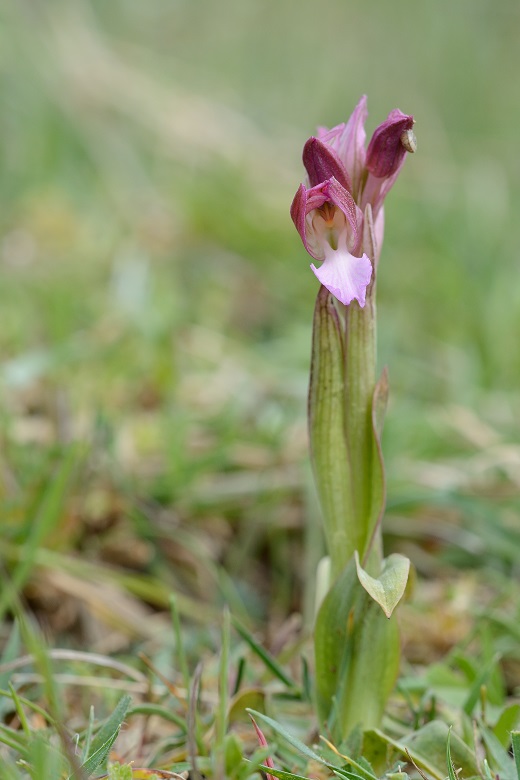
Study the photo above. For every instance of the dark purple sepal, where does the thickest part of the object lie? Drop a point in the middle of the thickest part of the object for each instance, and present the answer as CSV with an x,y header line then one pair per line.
x,y
322,163
386,151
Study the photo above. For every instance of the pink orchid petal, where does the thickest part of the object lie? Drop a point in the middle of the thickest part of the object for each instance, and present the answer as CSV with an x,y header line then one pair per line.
x,y
322,163
331,135
306,200
351,149
345,276
379,233
341,198
298,212
376,190
348,141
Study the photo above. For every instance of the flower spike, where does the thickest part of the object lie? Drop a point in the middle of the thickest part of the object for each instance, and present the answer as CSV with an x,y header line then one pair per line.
x,y
345,181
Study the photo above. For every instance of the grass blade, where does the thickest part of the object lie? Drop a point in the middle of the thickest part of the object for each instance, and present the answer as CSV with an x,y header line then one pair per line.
x,y
106,736
515,739
88,736
270,662
48,515
223,684
451,769
179,645
294,741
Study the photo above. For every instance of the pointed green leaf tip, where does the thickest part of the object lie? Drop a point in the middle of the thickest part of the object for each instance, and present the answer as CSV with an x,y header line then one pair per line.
x,y
387,590
515,739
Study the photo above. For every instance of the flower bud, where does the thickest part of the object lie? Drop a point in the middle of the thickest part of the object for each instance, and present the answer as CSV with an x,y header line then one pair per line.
x,y
389,144
322,163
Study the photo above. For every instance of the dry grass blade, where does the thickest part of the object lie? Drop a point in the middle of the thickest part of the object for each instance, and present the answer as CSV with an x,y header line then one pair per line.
x,y
141,773
192,722
89,681
179,693
96,659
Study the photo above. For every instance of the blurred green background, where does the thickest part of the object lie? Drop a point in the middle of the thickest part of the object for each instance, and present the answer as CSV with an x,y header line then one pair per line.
x,y
156,301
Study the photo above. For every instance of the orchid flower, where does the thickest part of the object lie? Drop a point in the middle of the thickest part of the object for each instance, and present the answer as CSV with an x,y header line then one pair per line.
x,y
329,222
339,215
347,183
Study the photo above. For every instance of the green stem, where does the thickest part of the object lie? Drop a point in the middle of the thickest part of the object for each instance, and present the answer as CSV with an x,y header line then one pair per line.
x,y
360,380
344,446
329,452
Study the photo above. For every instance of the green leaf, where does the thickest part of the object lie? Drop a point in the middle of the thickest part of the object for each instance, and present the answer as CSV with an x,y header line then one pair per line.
x,y
515,740
498,756
246,699
341,772
233,756
487,774
379,403
331,638
451,770
99,756
88,736
375,750
329,446
387,589
310,754
476,686
373,666
365,404
294,741
508,720
357,657
281,774
428,749
346,412
106,737
377,474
